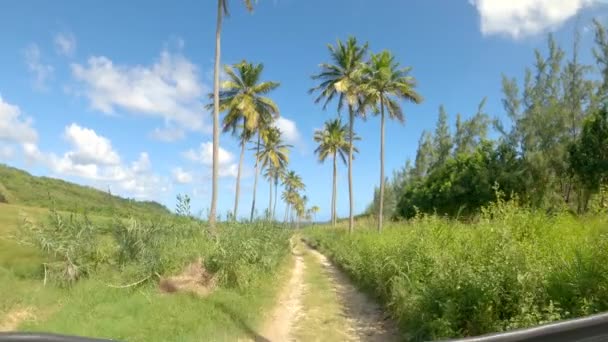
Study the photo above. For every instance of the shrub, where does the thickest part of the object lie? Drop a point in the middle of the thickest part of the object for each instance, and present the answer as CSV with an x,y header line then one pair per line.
x,y
512,267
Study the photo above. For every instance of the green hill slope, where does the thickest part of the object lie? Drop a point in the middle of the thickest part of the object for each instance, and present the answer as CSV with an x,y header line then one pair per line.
x,y
19,187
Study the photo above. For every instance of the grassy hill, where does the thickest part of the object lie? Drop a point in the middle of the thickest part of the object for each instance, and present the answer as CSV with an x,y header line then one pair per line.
x,y
21,188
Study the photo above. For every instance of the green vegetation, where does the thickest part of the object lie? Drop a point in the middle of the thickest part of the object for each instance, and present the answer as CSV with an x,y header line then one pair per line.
x,y
21,188
513,267
74,274
550,152
333,141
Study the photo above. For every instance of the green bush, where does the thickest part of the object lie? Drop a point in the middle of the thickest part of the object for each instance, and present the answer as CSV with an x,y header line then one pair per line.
x,y
511,268
128,250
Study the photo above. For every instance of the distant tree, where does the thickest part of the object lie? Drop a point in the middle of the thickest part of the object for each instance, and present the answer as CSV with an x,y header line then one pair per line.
x,y
384,85
273,157
442,139
333,141
425,156
183,206
600,52
342,79
293,184
312,212
469,133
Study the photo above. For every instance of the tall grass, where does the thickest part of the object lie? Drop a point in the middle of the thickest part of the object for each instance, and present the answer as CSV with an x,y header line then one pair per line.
x,y
74,246
101,271
511,268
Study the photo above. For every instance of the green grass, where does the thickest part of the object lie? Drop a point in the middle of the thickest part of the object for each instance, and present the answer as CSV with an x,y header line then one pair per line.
x,y
511,268
21,188
246,259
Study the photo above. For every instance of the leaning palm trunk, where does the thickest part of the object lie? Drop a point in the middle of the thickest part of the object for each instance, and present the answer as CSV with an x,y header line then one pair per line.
x,y
216,115
255,181
351,123
381,209
238,181
333,195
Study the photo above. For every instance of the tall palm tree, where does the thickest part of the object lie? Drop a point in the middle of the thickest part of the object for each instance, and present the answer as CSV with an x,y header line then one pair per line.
x,y
333,141
242,98
222,10
342,79
274,155
385,84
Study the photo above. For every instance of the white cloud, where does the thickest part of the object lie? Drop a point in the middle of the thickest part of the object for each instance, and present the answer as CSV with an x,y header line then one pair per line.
x,y
519,18
42,72
142,165
181,176
90,157
289,130
90,148
204,155
168,134
65,44
169,89
14,127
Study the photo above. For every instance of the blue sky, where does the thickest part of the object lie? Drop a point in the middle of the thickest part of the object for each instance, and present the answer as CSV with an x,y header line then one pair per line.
x,y
110,93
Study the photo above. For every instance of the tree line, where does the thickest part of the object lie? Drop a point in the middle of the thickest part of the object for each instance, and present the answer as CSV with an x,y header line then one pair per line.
x,y
551,150
364,83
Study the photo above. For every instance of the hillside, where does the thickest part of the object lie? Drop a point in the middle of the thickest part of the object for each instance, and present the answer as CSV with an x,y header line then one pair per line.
x,y
19,187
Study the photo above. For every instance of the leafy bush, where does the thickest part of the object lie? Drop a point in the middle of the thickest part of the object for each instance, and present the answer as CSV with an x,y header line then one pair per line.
x,y
511,268
134,249
68,241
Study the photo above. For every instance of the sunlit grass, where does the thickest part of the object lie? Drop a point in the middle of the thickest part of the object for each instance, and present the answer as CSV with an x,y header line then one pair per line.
x,y
509,268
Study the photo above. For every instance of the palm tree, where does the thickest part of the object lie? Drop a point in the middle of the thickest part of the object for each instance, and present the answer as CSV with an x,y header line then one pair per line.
x,y
242,98
312,212
222,10
292,183
333,141
342,79
273,156
300,208
385,84
273,175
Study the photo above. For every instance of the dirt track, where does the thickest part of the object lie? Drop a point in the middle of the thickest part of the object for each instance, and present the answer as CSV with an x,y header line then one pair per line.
x,y
358,318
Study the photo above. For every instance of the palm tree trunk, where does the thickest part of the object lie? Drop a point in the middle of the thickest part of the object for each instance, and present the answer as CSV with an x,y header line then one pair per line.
x,y
255,181
276,199
351,124
238,181
216,116
333,194
286,212
270,201
381,209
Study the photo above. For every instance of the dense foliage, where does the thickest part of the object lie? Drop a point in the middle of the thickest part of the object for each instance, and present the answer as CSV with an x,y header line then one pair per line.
x,y
130,249
19,187
550,150
513,268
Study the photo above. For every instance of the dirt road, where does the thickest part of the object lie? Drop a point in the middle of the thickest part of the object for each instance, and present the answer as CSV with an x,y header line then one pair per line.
x,y
320,304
